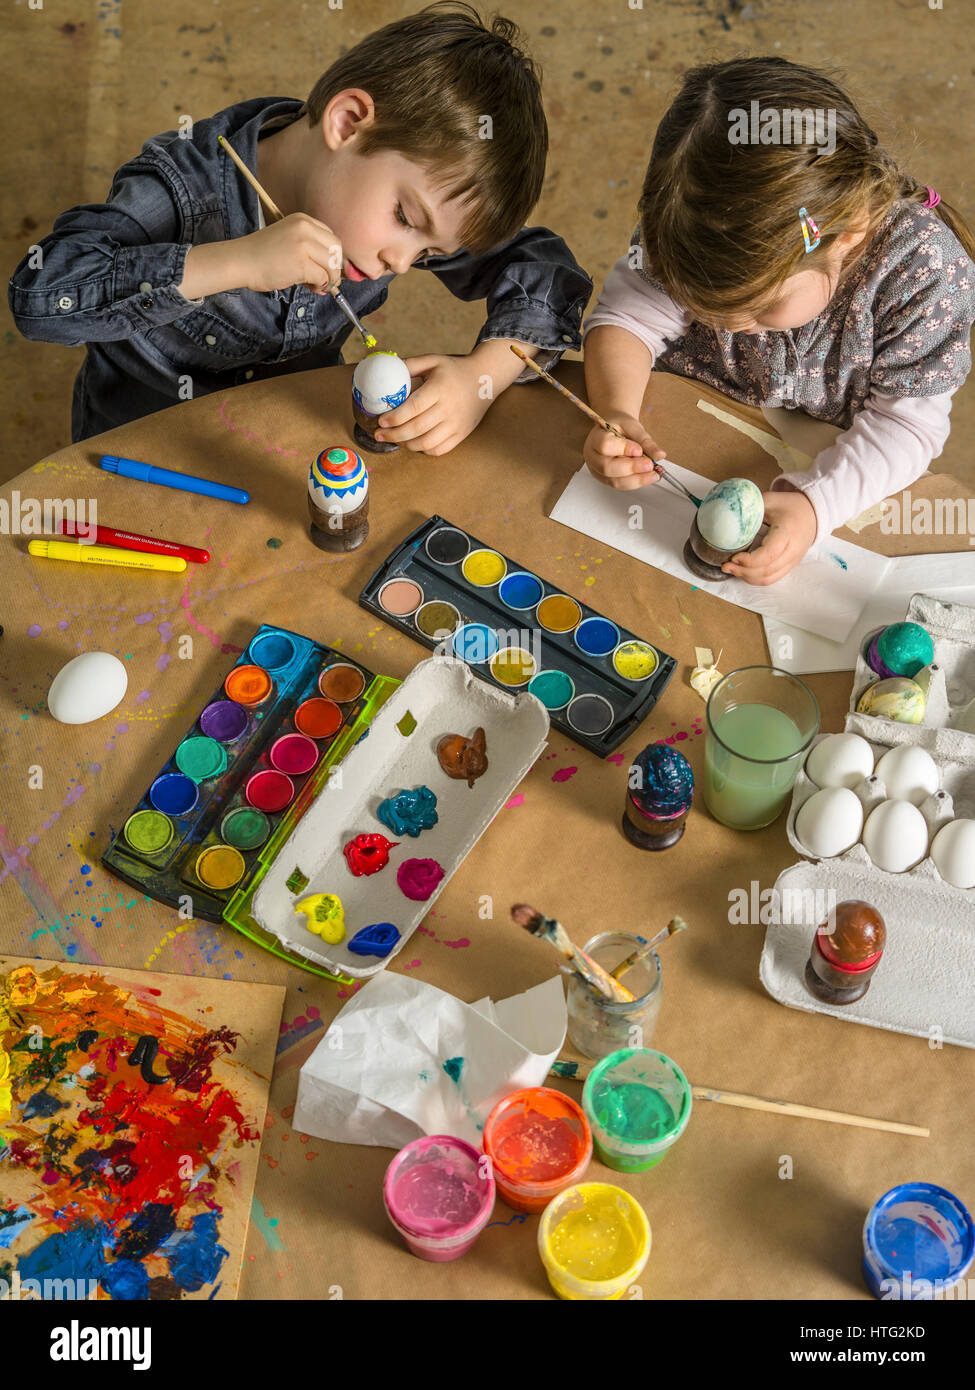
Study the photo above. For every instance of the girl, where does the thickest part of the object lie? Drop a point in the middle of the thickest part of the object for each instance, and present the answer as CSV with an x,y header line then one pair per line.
x,y
803,274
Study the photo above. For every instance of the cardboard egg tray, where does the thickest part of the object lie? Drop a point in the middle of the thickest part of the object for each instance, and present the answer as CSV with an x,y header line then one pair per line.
x,y
923,984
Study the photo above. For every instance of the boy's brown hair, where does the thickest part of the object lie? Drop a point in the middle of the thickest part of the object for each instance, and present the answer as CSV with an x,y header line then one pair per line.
x,y
720,221
433,76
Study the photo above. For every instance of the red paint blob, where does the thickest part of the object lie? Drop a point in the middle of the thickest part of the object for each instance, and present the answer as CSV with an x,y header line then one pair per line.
x,y
269,791
367,854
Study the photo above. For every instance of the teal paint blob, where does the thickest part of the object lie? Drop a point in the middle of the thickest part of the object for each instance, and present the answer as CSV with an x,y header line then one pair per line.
x,y
631,1112
453,1067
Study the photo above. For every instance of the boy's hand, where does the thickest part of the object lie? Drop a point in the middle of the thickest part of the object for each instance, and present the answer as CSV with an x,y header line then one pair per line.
x,y
442,411
792,530
622,463
298,250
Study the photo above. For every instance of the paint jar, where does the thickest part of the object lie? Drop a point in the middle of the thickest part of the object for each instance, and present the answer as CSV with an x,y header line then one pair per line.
x,y
918,1242
594,1241
540,1143
638,1103
599,1026
761,723
439,1194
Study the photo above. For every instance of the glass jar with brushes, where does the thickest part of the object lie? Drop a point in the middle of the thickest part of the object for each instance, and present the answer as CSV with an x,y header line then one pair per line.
x,y
599,1026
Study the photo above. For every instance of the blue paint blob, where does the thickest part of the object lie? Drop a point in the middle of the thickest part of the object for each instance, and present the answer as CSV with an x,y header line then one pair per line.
x,y
174,794
453,1067
377,940
12,1222
272,651
75,1254
661,781
409,812
42,1104
126,1279
146,1231
554,688
194,1256
596,636
520,590
476,643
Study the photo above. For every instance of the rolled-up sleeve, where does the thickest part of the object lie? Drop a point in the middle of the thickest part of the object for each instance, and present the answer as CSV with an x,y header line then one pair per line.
x,y
535,290
107,270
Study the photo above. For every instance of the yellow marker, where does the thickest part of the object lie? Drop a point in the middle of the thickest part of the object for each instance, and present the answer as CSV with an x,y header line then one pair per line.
x,y
105,555
324,916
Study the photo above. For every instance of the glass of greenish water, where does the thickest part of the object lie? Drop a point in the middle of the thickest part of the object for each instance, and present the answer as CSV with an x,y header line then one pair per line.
x,y
761,723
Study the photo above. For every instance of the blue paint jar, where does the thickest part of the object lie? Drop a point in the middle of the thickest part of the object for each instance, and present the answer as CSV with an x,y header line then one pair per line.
x,y
918,1242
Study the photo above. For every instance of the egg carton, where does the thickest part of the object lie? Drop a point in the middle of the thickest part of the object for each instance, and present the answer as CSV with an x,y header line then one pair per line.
x,y
948,726
956,775
922,985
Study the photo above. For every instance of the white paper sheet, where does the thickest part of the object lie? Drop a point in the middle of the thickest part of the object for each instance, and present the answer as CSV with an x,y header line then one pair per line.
x,y
378,1076
946,576
825,593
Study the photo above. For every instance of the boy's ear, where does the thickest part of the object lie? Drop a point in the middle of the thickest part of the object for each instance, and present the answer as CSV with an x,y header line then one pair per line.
x,y
346,115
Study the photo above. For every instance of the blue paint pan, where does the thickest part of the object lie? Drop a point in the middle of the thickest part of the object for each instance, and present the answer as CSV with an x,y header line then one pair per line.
x,y
918,1241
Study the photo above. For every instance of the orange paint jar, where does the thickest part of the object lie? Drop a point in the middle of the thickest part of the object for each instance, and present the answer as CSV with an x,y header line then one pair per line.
x,y
539,1143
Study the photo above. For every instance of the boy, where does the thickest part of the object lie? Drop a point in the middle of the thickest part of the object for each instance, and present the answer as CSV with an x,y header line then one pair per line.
x,y
177,286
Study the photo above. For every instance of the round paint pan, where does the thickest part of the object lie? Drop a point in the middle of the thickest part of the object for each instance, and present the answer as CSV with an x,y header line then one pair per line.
x,y
148,832
553,688
294,754
272,650
513,666
437,619
447,545
558,613
476,643
596,636
245,828
174,794
520,590
201,758
484,568
317,718
224,720
341,682
400,598
269,791
248,685
918,1241
590,714
635,660
220,867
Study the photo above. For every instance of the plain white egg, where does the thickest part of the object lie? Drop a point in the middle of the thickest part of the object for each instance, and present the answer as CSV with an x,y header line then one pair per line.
x,y
381,382
841,760
895,836
953,853
829,822
88,688
910,774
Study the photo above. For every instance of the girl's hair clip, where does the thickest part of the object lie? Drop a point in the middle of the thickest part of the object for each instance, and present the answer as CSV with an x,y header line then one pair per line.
x,y
808,226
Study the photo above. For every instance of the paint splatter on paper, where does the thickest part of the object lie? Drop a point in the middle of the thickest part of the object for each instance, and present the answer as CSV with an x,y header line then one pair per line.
x,y
130,1119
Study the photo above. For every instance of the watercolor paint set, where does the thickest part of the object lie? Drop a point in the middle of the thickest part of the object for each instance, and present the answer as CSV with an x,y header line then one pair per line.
x,y
518,632
244,773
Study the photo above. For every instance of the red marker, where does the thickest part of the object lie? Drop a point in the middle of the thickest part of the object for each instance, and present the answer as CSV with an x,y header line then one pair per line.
x,y
130,540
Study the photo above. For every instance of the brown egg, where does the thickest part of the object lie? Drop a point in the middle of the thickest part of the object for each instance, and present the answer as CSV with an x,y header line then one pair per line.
x,y
854,933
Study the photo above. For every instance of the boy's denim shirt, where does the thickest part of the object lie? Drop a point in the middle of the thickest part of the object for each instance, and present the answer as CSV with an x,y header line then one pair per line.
x,y
110,273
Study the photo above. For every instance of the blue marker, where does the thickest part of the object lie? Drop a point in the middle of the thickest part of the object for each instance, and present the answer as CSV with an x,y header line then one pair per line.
x,y
168,477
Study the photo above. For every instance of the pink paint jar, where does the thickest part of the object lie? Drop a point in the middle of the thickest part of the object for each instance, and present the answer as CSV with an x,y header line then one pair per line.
x,y
439,1194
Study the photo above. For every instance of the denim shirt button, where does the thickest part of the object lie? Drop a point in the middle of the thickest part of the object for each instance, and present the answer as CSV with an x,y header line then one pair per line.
x,y
567,337
65,303
249,373
147,301
145,287
210,340
299,313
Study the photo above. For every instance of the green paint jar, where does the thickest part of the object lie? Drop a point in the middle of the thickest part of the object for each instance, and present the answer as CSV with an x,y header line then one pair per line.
x,y
638,1103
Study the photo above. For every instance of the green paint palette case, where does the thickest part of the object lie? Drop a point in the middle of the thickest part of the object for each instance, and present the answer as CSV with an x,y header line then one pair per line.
x,y
453,593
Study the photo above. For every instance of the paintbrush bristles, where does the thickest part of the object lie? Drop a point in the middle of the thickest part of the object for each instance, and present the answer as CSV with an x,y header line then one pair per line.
x,y
548,929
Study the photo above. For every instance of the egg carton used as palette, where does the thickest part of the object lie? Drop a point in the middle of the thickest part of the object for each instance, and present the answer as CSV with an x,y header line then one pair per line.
x,y
949,680
439,698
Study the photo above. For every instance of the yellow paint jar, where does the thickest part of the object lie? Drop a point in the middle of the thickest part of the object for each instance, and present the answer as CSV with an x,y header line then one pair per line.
x,y
594,1240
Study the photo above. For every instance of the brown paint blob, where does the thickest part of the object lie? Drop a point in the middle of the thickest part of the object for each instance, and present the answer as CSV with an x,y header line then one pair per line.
x,y
464,759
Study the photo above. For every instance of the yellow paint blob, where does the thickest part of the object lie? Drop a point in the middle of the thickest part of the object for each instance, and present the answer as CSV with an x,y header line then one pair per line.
x,y
635,660
6,1099
594,1240
484,568
324,915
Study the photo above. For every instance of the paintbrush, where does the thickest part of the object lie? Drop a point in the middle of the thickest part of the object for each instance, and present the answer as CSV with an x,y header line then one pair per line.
x,y
277,215
548,929
613,429
675,925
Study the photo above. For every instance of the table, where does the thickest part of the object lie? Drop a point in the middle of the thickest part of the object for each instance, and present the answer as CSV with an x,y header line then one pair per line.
x,y
747,1205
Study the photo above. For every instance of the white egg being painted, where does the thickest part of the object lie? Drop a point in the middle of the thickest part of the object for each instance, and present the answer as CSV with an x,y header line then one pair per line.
x,y
731,514
829,823
380,382
895,836
841,760
88,688
909,774
953,853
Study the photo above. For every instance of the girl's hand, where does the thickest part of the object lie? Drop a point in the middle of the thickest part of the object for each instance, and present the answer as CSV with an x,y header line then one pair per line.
x,y
792,530
440,412
622,463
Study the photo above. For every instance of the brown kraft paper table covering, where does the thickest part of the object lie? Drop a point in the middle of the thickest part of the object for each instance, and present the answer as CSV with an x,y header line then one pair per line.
x,y
726,1222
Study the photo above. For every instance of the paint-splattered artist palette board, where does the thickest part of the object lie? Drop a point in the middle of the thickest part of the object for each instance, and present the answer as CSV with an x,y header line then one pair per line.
x,y
448,590
131,1115
244,773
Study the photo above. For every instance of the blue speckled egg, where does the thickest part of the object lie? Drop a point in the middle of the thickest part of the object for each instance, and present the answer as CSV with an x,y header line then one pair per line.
x,y
731,514
661,781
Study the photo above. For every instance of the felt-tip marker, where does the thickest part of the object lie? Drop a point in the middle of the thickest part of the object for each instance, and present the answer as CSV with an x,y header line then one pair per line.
x,y
105,555
168,477
131,540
